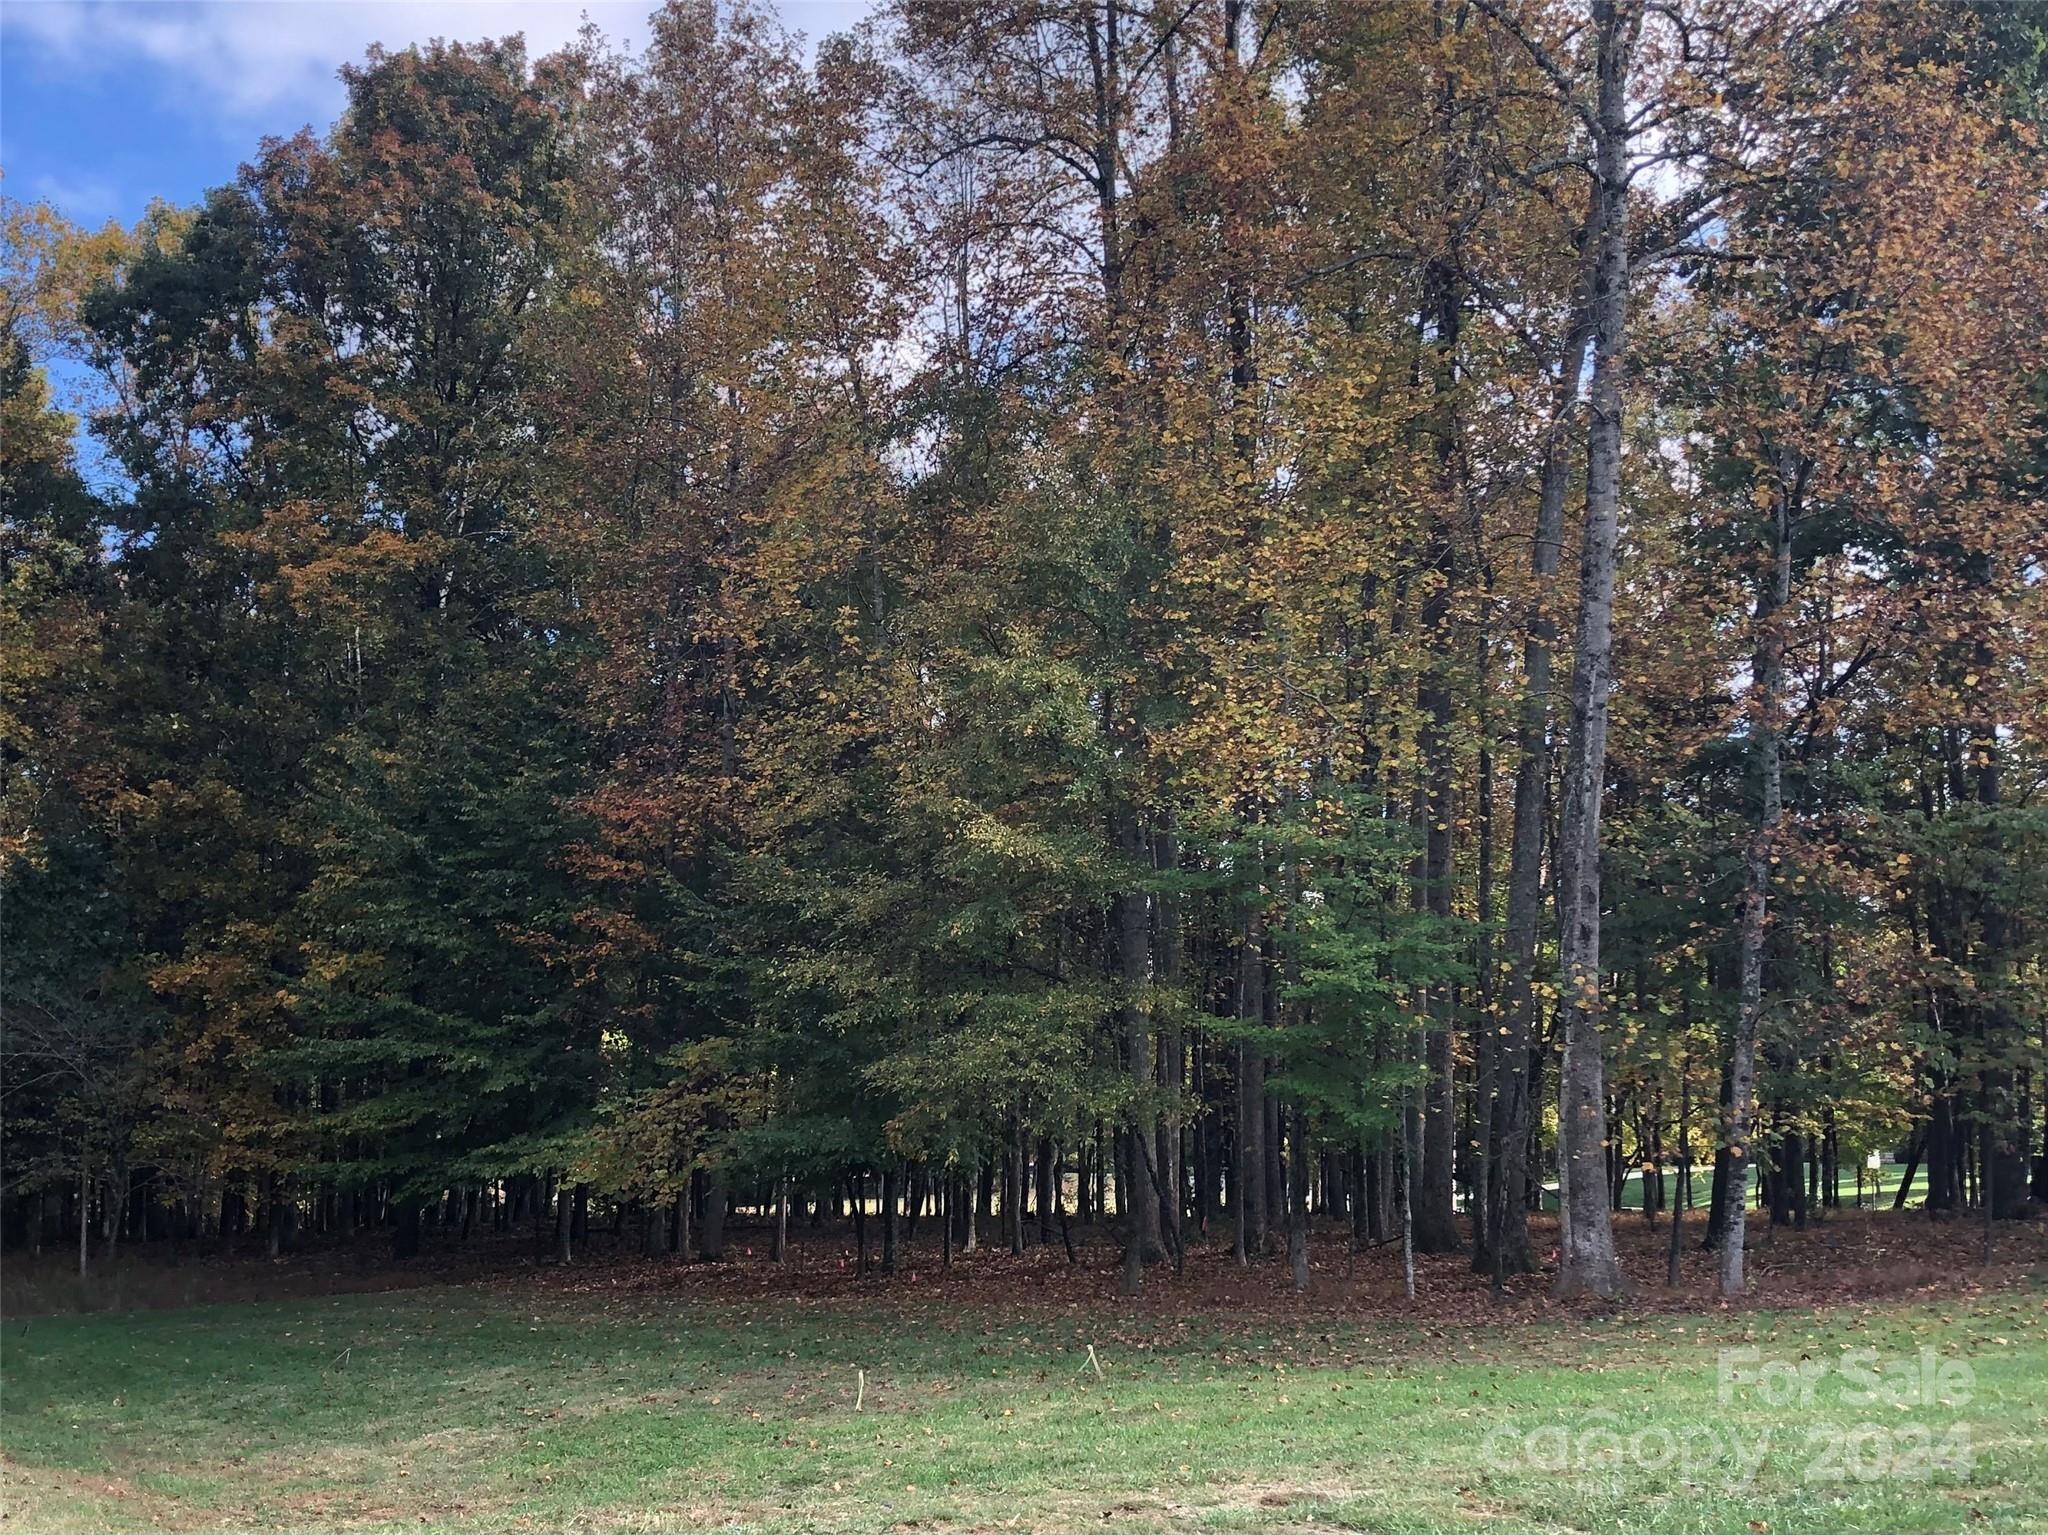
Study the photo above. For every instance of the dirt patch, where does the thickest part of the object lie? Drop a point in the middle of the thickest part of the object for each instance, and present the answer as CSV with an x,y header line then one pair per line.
x,y
52,1501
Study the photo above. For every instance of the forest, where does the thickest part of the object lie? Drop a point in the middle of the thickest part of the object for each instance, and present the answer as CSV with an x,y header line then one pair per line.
x,y
1252,626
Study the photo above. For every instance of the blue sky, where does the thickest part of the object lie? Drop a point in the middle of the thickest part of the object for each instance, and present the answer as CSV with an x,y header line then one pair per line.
x,y
105,104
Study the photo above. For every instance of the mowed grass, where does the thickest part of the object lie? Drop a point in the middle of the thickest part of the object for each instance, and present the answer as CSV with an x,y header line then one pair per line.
x,y
490,1408
1876,1189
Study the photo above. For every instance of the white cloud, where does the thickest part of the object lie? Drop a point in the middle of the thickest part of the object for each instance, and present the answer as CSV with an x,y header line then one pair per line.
x,y
197,81
270,62
87,199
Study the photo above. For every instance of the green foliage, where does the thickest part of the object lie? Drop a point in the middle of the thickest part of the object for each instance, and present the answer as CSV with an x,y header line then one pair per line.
x,y
683,621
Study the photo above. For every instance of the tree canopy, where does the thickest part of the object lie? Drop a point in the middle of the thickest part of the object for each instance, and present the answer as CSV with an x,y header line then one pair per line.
x,y
1359,608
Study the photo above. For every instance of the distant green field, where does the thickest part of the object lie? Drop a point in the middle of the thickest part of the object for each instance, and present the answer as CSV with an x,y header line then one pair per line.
x,y
478,1409
1877,1186
1877,1190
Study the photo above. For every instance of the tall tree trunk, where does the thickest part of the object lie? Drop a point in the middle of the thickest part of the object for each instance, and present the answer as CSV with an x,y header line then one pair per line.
x,y
1486,1039
1134,946
1772,598
1166,941
1682,1182
1297,1203
711,1228
1587,1260
1436,1224
1404,1192
1248,1155
2006,1128
1014,1190
1509,1241
891,1187
1276,1175
1043,1168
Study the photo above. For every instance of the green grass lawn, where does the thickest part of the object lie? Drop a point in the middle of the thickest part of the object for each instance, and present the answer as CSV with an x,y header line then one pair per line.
x,y
491,1408
1877,1189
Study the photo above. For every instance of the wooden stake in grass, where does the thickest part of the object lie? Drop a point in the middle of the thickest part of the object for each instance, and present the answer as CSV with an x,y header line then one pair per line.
x,y
861,1392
